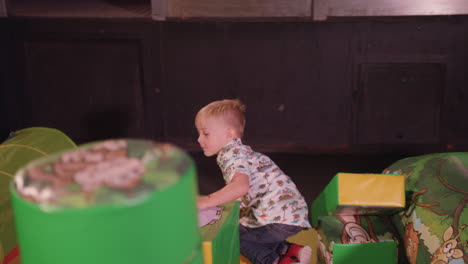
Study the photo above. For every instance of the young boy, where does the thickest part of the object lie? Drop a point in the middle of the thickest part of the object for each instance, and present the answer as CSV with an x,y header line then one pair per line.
x,y
272,208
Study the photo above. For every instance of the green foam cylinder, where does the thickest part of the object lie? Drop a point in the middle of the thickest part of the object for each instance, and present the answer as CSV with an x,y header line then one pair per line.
x,y
162,228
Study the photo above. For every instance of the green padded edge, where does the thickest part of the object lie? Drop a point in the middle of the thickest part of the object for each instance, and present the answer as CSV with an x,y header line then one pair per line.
x,y
367,253
325,202
226,244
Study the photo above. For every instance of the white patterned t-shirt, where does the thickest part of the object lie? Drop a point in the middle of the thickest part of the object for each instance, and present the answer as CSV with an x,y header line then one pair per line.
x,y
272,197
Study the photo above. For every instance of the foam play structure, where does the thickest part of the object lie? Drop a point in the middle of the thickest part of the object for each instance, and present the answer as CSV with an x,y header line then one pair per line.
x,y
359,194
368,222
19,149
415,211
433,226
346,216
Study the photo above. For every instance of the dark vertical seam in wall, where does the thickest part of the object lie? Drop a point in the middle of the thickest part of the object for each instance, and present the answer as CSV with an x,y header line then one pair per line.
x,y
141,45
162,59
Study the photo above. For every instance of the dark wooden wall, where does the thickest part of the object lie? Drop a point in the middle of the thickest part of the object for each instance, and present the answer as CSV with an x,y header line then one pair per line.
x,y
394,87
343,86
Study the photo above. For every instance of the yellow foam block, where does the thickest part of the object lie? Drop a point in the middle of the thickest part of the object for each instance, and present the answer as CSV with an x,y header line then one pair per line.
x,y
371,190
207,248
360,194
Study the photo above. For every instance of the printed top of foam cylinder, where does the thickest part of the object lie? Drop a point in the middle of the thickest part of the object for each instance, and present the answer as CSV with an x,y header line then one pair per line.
x,y
360,194
106,172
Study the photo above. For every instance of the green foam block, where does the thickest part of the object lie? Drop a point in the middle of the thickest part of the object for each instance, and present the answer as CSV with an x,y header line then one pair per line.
x,y
370,253
221,238
356,239
360,194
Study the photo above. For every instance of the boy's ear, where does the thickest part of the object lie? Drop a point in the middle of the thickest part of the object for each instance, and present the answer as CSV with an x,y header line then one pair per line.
x,y
231,133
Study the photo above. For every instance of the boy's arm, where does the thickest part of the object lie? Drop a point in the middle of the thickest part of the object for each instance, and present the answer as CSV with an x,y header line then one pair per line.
x,y
237,188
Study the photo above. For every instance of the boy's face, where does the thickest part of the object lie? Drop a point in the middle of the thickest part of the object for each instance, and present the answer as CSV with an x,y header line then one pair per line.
x,y
214,134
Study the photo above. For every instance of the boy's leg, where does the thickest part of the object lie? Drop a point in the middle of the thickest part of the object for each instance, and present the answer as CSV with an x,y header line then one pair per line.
x,y
258,253
297,253
267,243
294,253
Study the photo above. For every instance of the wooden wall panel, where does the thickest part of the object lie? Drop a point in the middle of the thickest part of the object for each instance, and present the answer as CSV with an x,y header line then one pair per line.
x,y
3,8
397,39
194,74
426,40
309,87
5,95
324,9
11,96
238,9
329,100
260,72
292,104
135,9
89,89
400,103
456,95
295,101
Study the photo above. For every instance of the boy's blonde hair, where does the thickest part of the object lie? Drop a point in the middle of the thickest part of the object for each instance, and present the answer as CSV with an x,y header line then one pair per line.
x,y
231,110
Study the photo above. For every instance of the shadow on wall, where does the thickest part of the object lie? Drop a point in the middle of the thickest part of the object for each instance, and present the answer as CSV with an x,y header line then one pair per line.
x,y
105,124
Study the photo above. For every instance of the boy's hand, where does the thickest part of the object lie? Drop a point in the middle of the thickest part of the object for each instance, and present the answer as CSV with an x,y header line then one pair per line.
x,y
202,202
